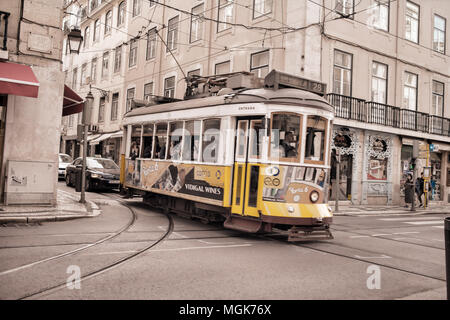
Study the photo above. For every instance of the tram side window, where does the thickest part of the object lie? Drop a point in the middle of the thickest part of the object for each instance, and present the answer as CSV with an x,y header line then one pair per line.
x,y
257,133
136,131
175,140
315,139
191,140
211,140
147,139
285,136
160,141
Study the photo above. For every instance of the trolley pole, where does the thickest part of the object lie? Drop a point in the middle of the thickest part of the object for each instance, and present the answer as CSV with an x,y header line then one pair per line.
x,y
336,187
447,253
85,120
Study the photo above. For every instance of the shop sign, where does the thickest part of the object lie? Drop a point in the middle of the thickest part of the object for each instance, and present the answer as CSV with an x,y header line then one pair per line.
x,y
342,141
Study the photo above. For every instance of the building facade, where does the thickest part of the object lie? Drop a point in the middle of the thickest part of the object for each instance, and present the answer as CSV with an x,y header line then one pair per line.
x,y
99,68
31,100
386,65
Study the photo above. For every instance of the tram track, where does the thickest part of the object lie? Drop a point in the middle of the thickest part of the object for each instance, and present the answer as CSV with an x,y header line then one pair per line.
x,y
390,239
109,266
129,224
361,259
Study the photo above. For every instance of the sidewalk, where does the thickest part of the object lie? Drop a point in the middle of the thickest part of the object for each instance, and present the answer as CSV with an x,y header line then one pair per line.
x,y
67,207
373,210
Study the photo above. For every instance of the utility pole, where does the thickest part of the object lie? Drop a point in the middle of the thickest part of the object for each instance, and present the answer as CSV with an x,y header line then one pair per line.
x,y
86,120
336,187
415,155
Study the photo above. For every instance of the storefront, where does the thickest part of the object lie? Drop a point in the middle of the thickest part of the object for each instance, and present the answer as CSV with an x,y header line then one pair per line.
x,y
107,145
345,145
377,171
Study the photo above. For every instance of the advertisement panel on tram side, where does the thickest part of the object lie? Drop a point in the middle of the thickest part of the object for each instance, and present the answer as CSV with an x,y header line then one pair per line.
x,y
205,181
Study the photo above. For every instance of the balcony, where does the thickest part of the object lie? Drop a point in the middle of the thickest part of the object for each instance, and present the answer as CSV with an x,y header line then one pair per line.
x,y
4,20
377,113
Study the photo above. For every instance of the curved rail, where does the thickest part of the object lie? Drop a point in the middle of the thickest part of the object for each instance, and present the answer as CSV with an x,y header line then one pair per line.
x,y
110,266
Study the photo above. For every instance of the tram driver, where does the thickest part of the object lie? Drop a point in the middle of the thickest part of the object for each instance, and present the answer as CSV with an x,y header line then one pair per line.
x,y
288,146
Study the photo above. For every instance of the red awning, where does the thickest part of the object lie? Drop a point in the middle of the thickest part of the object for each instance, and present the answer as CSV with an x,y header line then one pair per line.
x,y
72,103
18,79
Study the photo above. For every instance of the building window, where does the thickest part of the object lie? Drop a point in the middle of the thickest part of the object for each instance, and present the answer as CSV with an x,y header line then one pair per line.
x,y
114,106
151,44
117,59
342,73
261,7
133,53
74,78
136,7
169,87
345,7
225,14
412,22
83,74
87,36
108,22
105,65
379,82
196,23
222,68
121,13
439,34
94,4
380,14
148,91
438,99
101,109
172,34
97,30
410,91
130,97
71,120
94,70
259,63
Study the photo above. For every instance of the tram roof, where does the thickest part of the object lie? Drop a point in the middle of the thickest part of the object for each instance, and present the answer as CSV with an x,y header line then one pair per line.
x,y
286,96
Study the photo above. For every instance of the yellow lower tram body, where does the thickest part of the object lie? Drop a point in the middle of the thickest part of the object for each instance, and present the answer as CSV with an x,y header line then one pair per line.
x,y
250,197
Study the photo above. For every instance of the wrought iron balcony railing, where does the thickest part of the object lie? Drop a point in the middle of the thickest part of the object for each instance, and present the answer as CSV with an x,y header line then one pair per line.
x,y
372,112
4,20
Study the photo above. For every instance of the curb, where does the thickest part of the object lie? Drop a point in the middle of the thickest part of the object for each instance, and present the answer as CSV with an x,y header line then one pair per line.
x,y
92,211
404,213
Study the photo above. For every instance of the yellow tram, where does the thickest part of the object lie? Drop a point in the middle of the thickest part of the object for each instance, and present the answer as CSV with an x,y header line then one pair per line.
x,y
255,158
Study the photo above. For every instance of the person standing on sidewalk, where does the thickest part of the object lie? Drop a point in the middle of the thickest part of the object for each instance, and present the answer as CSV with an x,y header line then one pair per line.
x,y
419,188
409,192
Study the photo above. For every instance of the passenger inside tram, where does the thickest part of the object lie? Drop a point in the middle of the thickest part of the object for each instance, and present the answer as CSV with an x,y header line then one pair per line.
x,y
285,136
147,147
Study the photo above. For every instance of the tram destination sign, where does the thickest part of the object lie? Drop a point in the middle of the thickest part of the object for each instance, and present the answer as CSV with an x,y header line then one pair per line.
x,y
277,80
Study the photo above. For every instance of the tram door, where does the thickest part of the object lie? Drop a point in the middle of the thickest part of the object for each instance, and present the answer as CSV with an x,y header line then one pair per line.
x,y
246,182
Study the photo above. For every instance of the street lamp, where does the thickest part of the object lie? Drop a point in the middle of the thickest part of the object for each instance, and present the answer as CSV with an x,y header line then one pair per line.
x,y
85,123
75,39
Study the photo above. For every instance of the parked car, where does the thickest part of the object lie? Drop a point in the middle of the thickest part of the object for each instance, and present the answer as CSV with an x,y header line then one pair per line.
x,y
100,173
64,161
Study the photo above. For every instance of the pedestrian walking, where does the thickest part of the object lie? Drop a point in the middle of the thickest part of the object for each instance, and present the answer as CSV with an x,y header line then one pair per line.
x,y
433,186
409,190
419,189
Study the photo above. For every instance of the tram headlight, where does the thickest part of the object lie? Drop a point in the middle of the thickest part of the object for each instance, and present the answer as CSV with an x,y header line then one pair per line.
x,y
314,196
